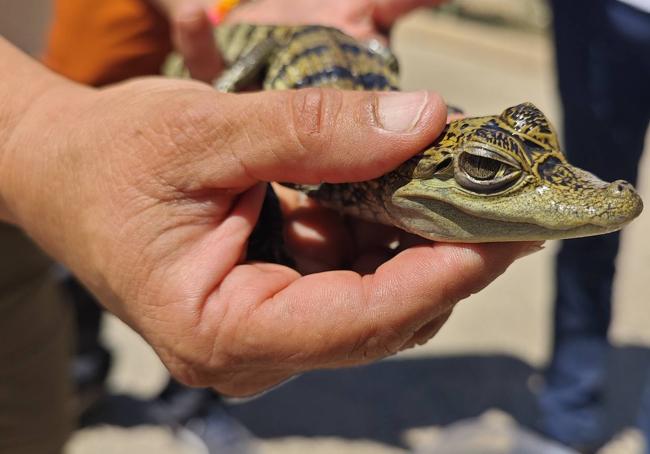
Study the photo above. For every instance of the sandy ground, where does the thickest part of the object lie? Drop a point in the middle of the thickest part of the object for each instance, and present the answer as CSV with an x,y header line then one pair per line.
x,y
503,329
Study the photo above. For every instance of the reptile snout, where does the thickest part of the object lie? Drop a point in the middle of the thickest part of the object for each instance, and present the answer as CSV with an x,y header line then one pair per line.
x,y
624,203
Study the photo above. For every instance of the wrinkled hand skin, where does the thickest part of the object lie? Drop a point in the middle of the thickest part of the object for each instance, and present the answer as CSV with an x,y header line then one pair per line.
x,y
149,190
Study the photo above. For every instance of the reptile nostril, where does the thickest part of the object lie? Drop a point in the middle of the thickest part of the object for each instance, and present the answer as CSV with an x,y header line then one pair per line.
x,y
620,187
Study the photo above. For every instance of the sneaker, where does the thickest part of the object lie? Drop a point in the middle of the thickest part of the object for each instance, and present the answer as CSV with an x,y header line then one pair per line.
x,y
89,372
200,418
214,431
628,441
494,432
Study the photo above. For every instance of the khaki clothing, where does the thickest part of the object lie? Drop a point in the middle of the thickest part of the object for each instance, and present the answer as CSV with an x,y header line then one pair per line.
x,y
35,328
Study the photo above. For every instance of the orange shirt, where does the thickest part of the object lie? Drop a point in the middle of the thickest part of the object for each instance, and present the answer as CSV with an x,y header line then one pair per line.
x,y
97,42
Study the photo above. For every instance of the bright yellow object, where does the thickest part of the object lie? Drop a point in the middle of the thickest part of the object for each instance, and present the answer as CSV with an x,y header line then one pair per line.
x,y
222,8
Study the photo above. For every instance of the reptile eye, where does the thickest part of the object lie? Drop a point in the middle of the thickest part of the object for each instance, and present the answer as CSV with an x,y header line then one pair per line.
x,y
478,167
485,172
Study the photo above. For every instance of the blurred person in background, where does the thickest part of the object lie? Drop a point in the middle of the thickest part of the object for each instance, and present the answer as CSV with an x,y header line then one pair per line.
x,y
603,63
100,42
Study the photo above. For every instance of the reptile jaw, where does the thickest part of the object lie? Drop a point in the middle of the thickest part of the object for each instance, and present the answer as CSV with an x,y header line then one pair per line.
x,y
440,215
480,230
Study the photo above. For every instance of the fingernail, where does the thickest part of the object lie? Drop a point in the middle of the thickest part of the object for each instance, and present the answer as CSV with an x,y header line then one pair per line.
x,y
400,112
531,249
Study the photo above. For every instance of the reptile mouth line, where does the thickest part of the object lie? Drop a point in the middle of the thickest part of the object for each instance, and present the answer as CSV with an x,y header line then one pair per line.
x,y
503,230
619,221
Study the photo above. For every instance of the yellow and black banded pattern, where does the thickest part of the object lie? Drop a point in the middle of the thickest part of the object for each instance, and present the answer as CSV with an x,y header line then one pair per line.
x,y
303,56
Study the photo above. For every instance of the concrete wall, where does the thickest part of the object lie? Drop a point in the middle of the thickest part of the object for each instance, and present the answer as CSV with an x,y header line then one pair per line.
x,y
520,13
25,22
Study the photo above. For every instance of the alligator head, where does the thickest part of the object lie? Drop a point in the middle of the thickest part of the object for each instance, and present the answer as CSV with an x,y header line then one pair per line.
x,y
504,178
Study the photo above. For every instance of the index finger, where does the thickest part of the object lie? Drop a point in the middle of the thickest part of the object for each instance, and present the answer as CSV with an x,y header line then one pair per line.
x,y
194,40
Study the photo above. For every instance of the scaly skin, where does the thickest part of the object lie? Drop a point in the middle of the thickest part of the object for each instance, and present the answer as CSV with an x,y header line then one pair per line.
x,y
493,178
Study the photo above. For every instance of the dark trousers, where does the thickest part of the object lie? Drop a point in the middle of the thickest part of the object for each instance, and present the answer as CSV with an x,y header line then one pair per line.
x,y
603,63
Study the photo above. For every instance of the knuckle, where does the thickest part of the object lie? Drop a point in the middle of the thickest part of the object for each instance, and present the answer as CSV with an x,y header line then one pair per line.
x,y
191,123
315,112
186,133
181,119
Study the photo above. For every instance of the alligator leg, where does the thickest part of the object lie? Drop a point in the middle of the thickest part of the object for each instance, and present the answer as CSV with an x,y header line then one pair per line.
x,y
245,70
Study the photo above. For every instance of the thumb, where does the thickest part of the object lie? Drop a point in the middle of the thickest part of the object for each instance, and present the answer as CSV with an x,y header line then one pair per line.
x,y
323,135
194,40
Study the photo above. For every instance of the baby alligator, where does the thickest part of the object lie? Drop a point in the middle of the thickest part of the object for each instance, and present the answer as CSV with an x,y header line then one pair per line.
x,y
495,178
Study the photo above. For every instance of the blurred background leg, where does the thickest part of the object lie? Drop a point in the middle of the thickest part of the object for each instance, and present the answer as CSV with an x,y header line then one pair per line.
x,y
36,414
92,361
602,84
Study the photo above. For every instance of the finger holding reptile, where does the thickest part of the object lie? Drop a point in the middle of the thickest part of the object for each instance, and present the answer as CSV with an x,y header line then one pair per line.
x,y
487,179
152,208
493,178
192,36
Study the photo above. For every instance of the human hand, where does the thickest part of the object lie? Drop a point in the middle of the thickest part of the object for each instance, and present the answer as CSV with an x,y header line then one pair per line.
x,y
149,191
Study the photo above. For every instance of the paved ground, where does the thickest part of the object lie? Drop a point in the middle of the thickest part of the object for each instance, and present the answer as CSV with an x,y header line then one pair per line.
x,y
486,355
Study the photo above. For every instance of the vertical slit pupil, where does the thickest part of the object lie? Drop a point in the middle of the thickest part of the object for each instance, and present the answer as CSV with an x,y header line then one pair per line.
x,y
479,167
